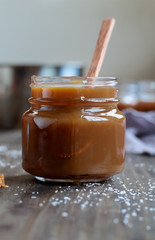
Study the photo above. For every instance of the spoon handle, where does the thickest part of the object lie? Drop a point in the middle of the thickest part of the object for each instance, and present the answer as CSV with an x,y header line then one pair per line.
x,y
101,47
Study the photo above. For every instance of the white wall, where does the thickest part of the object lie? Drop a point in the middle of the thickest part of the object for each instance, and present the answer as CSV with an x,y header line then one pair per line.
x,y
56,31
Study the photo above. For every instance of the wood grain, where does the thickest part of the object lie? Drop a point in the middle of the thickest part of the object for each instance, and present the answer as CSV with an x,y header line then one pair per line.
x,y
101,47
120,208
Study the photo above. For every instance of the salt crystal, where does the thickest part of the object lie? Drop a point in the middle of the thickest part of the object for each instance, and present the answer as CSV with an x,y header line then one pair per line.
x,y
134,214
64,214
122,192
148,228
115,220
34,197
141,219
67,198
123,210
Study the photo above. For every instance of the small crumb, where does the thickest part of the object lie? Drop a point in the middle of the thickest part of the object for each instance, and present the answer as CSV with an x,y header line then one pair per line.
x,y
2,181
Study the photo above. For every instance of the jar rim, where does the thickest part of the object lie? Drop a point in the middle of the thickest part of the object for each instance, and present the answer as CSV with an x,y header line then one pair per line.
x,y
42,81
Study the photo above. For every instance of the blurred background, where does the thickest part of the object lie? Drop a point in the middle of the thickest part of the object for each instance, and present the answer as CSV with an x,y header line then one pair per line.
x,y
57,37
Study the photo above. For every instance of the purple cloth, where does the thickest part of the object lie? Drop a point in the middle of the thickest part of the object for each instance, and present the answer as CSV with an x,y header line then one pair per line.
x,y
140,131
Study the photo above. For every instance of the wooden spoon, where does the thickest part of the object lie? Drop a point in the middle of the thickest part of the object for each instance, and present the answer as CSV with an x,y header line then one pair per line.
x,y
101,47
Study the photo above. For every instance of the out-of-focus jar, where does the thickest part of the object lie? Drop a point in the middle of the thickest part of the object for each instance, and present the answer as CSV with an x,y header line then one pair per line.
x,y
128,95
137,95
146,96
73,131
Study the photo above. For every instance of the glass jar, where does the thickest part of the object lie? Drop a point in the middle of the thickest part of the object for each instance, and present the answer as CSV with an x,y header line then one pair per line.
x,y
128,95
146,96
73,131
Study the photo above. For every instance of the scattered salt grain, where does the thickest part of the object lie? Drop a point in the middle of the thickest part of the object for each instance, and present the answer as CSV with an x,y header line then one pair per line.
x,y
128,197
115,220
34,197
140,219
64,214
134,214
148,228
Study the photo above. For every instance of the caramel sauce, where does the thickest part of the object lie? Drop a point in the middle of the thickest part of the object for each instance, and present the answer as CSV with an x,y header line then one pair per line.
x,y
73,133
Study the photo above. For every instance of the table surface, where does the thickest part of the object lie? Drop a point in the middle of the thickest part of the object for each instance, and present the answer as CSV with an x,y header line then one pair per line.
x,y
120,208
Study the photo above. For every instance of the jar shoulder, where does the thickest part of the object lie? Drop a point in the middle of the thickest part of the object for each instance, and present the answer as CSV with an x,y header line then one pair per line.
x,y
91,112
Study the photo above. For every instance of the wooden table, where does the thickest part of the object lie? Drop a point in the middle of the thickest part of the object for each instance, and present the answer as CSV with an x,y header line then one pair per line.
x,y
120,208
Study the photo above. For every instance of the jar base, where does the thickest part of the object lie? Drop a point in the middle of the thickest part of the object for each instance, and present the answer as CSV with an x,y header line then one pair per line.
x,y
74,181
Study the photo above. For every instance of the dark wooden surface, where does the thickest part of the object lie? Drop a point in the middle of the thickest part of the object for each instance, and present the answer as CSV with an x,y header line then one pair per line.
x,y
121,208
